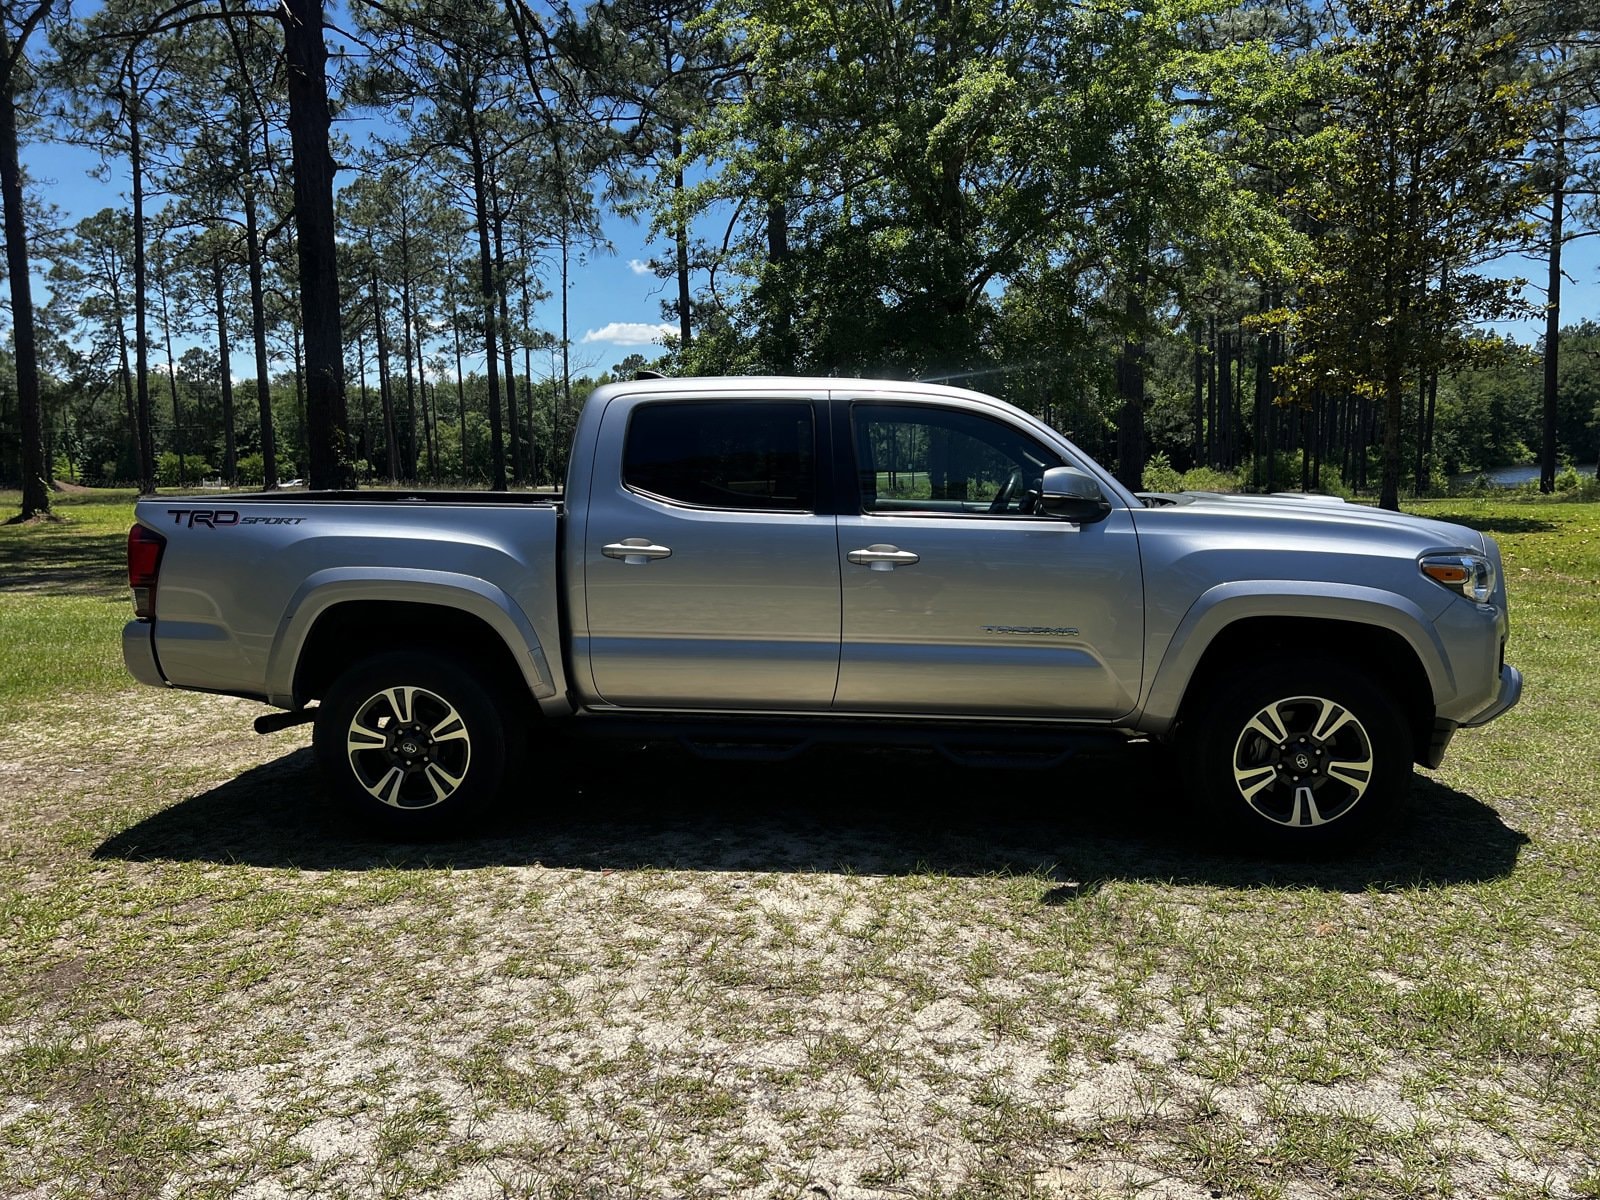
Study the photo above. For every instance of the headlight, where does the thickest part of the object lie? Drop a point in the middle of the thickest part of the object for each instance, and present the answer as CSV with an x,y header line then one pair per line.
x,y
1469,575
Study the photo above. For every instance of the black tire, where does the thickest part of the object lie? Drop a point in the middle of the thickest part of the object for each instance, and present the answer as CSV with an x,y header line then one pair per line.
x,y
1297,759
415,744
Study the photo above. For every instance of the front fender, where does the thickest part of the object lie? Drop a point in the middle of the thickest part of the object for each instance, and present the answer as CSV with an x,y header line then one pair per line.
x,y
477,597
1226,603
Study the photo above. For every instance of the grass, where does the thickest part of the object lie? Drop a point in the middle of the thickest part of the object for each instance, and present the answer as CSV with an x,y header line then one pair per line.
x,y
858,973
63,597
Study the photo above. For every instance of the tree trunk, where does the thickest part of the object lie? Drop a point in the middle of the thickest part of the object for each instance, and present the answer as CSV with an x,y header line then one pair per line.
x,y
35,471
1552,311
461,387
306,55
429,413
230,448
680,236
1198,407
1130,390
1427,430
300,390
258,332
127,395
410,448
561,446
519,470
783,355
1211,394
1261,459
391,441
1308,440
141,339
1225,399
1393,415
497,445
366,405
527,375
1419,458
172,378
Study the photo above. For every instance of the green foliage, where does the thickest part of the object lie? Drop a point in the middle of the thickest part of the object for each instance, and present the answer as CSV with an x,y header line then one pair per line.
x,y
1159,475
193,470
972,191
1412,182
251,470
1209,479
1488,414
1049,201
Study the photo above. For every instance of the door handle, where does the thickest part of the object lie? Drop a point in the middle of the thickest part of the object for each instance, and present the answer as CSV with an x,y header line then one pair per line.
x,y
636,552
883,558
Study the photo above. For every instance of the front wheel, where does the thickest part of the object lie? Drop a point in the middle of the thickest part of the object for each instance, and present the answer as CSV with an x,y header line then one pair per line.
x,y
413,742
1305,758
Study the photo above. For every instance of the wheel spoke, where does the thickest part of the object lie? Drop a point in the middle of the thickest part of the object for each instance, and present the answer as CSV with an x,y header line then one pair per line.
x,y
361,739
442,782
1305,808
1253,779
400,699
1354,772
451,729
387,789
1277,733
1330,720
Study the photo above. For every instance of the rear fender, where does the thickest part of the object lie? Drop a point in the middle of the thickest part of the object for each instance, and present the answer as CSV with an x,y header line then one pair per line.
x,y
477,597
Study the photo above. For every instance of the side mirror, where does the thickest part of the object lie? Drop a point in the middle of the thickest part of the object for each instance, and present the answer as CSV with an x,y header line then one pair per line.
x,y
1068,493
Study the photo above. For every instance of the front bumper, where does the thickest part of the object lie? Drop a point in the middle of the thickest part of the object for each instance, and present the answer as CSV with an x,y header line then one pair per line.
x,y
1510,693
139,653
1443,730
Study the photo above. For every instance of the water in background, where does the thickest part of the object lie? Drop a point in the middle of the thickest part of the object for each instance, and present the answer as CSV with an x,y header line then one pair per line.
x,y
1512,476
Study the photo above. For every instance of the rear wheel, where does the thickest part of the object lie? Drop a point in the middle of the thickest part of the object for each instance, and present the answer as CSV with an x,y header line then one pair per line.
x,y
1304,758
414,742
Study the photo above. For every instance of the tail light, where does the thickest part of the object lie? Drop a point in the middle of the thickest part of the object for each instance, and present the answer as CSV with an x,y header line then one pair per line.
x,y
144,564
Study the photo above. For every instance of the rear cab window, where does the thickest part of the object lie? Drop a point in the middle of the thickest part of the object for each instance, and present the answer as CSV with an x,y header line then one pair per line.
x,y
741,455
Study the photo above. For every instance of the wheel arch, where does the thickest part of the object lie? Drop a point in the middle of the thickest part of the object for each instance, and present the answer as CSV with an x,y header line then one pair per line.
x,y
1390,639
334,622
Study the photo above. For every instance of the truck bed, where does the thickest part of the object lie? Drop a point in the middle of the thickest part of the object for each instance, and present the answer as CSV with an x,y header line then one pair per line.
x,y
369,496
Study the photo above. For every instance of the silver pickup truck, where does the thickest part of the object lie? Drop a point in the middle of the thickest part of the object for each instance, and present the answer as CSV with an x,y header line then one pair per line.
x,y
763,562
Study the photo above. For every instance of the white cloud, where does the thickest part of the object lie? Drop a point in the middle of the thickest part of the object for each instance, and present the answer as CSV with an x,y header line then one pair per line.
x,y
629,333
640,267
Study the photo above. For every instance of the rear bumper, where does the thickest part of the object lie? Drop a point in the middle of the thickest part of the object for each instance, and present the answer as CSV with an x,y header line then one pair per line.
x,y
1510,693
139,653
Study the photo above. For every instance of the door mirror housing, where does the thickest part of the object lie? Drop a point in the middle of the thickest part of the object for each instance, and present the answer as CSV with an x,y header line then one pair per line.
x,y
1068,493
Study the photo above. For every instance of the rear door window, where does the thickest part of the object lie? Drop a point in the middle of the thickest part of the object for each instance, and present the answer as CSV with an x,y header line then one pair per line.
x,y
754,455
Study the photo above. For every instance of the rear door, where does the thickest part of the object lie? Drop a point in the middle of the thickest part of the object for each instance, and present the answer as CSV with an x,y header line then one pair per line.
x,y
958,597
711,580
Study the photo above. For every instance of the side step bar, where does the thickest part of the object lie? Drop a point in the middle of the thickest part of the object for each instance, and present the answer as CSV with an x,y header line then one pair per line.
x,y
779,740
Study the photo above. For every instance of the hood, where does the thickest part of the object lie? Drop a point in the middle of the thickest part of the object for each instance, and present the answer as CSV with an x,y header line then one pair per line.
x,y
1326,510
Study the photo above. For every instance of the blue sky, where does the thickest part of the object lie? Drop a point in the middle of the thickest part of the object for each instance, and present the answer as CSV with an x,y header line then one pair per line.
x,y
616,300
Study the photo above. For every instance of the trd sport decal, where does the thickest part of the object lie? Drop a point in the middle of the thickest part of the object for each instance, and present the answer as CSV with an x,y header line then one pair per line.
x,y
222,518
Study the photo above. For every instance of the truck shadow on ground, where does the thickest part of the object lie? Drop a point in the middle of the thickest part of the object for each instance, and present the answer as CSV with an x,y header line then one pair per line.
x,y
1114,815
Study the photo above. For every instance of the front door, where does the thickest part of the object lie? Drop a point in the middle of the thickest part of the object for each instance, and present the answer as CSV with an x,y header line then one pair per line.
x,y
710,578
958,598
